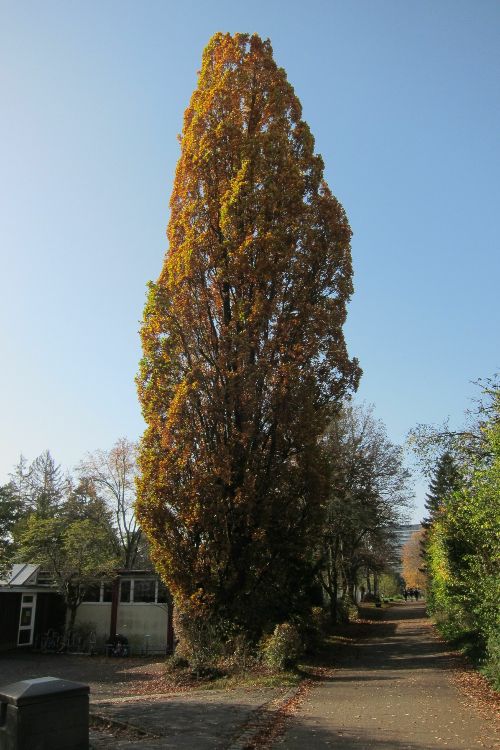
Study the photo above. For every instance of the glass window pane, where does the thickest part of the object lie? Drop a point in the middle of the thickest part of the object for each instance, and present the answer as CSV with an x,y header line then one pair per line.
x,y
27,598
24,636
162,593
107,594
44,578
26,613
92,593
144,591
125,591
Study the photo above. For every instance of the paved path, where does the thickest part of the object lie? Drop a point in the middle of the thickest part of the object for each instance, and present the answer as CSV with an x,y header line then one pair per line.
x,y
204,720
393,690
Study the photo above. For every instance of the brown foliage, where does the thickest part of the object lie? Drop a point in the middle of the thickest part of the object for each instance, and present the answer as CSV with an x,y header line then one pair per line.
x,y
243,346
411,557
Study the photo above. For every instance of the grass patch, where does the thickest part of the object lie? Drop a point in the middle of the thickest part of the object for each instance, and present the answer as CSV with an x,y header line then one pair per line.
x,y
255,678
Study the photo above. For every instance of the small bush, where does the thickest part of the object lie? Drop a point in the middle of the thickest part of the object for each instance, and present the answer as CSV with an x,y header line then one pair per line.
x,y
239,653
492,667
176,661
201,641
282,649
346,611
313,628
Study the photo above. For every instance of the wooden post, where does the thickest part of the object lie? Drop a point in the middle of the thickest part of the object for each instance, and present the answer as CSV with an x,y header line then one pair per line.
x,y
114,607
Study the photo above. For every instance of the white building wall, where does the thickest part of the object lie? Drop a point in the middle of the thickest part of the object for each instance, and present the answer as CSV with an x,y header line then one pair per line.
x,y
97,617
144,625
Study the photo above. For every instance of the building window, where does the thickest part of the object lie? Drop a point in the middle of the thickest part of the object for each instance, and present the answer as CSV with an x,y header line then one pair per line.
x,y
162,593
131,591
144,591
107,591
125,591
92,593
26,620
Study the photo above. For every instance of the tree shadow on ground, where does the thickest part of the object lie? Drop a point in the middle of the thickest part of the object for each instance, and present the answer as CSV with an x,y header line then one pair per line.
x,y
208,723
15,666
300,736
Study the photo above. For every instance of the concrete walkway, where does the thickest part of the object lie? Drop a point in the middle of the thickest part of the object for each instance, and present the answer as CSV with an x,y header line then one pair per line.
x,y
393,690
198,720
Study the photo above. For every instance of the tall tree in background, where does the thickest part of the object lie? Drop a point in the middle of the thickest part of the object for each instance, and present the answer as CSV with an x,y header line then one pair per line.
x,y
10,513
74,552
41,486
369,494
445,480
411,558
112,473
462,546
244,353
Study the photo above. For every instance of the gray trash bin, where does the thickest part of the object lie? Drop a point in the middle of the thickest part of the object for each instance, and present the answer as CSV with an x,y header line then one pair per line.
x,y
44,714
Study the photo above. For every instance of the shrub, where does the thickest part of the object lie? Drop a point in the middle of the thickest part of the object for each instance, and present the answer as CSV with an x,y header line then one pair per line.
x,y
200,641
282,649
313,627
239,652
492,668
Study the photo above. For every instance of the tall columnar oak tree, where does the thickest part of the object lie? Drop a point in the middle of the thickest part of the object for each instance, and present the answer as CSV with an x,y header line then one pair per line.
x,y
244,354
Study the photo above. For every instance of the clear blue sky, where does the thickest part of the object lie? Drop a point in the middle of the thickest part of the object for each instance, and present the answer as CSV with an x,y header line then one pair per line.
x,y
403,99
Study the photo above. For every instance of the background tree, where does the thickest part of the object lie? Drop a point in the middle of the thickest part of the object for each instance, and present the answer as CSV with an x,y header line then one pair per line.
x,y
112,474
10,514
244,353
462,549
369,494
75,553
411,557
445,480
464,446
390,584
39,487
66,528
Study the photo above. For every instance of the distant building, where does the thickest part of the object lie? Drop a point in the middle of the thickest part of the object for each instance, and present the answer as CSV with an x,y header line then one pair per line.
x,y
29,607
133,603
136,605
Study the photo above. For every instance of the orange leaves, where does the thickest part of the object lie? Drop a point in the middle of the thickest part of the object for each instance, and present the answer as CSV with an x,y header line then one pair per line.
x,y
411,558
243,347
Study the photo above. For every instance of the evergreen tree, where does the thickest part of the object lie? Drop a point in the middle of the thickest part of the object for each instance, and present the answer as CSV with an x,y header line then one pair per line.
x,y
10,513
446,479
244,353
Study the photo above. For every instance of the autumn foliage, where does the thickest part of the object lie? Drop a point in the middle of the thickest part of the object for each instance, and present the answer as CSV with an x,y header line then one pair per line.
x,y
412,561
244,355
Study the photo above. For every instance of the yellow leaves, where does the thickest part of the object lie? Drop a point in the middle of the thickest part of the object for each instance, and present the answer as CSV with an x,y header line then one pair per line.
x,y
232,196
234,330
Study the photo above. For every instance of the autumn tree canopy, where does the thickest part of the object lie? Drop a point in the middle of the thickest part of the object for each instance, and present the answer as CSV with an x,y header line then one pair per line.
x,y
244,355
411,558
112,474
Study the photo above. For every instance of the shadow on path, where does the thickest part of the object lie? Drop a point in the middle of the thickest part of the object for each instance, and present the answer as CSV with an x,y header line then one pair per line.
x,y
390,689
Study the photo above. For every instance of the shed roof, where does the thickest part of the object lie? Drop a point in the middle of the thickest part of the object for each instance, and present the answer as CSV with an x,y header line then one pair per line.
x,y
20,575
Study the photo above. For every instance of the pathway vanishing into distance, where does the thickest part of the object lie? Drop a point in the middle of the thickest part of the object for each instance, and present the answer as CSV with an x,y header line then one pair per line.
x,y
392,690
